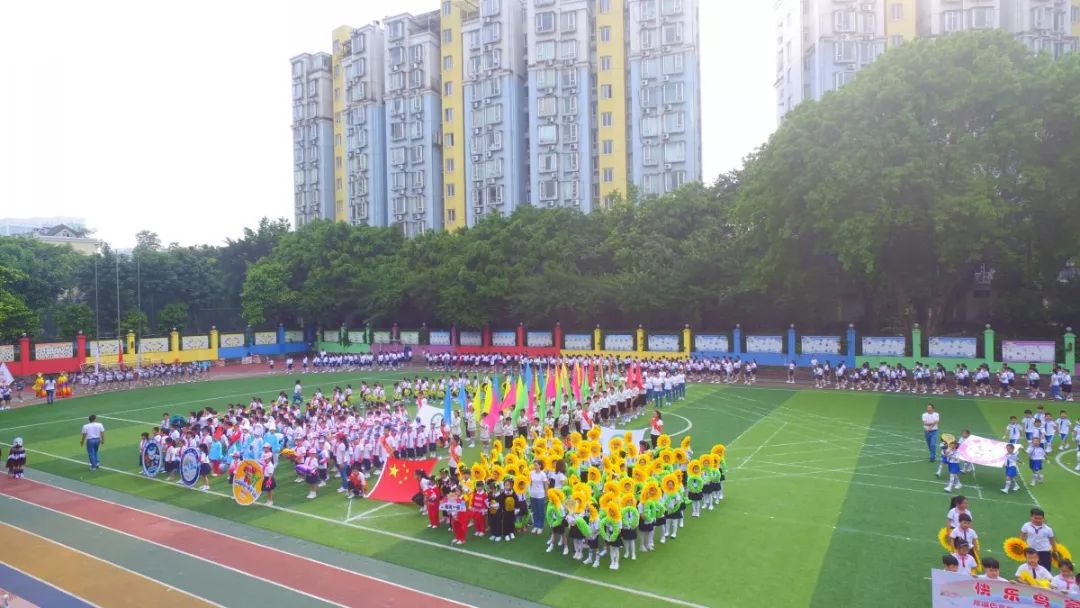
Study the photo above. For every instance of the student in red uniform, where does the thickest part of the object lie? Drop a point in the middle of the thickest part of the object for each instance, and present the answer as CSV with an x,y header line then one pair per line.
x,y
459,522
656,427
432,498
479,509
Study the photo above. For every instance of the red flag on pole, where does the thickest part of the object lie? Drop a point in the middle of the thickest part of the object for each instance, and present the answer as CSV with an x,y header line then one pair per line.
x,y
398,482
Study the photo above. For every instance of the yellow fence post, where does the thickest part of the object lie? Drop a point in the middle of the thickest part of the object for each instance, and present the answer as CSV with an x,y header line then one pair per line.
x,y
687,345
597,340
640,340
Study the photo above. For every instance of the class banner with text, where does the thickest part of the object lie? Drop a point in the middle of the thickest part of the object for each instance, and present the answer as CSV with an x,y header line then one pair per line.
x,y
953,590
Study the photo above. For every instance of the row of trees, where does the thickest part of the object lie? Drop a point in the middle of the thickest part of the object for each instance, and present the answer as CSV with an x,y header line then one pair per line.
x,y
945,160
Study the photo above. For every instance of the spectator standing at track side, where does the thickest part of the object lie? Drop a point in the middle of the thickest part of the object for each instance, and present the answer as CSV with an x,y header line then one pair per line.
x,y
93,437
930,422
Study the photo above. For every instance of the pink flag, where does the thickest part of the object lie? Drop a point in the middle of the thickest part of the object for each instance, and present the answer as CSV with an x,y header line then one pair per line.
x,y
549,393
980,450
531,409
575,383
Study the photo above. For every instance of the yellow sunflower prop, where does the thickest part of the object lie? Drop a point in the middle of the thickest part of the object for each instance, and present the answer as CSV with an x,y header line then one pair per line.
x,y
680,456
575,437
1014,548
518,443
613,512
627,500
667,457
616,445
946,542
555,497
511,460
594,449
641,473
670,483
557,451
594,514
594,475
496,473
626,485
1062,552
718,450
685,444
650,491
663,442
606,499
611,487
632,450
478,471
642,461
593,434
694,468
1025,577
521,484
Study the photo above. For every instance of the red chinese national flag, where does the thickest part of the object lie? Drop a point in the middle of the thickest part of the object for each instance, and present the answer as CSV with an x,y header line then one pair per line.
x,y
398,483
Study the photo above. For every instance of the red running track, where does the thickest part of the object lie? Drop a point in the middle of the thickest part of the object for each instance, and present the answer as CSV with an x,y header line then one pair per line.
x,y
311,577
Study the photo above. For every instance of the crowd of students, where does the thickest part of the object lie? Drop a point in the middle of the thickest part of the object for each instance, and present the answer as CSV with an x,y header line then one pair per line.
x,y
1036,549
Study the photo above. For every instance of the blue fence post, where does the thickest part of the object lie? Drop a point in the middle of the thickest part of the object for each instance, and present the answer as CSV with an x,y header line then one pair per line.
x,y
851,344
736,338
791,342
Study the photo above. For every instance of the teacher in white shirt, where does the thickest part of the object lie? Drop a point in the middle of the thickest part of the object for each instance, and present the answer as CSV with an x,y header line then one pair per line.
x,y
93,437
930,428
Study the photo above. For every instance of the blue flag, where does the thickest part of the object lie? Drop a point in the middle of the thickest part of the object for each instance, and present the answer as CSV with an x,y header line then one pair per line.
x,y
447,415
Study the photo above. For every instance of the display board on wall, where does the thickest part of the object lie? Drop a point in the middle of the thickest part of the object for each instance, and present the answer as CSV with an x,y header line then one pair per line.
x,y
578,341
764,344
1028,351
60,350
410,338
822,345
884,346
621,342
663,343
471,338
711,342
953,347
294,336
265,337
194,342
154,345
439,338
504,338
539,339
380,337
7,352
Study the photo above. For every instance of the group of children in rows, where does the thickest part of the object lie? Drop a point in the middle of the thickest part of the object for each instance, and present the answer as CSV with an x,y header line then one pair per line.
x,y
584,501
1039,429
1037,559
326,362
927,379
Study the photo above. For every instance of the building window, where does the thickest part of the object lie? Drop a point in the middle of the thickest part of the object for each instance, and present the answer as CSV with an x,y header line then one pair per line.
x,y
549,190
451,215
672,33
337,184
569,105
895,40
568,21
547,134
570,133
605,63
608,146
397,30
448,89
545,50
673,64
449,165
952,21
492,32
982,18
568,49
545,79
648,9
605,33
674,152
450,190
416,154
897,11
648,38
845,51
570,162
650,126
446,8
605,91
549,162
844,21
605,6
671,7
569,78
448,115
605,119
673,92
545,22
448,62
609,175
674,122
546,106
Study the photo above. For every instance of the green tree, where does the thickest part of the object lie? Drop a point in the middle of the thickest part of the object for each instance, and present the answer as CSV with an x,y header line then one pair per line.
x,y
16,318
898,187
173,315
134,321
73,317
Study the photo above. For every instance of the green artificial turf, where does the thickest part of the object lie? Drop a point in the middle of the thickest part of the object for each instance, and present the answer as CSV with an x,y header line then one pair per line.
x,y
830,500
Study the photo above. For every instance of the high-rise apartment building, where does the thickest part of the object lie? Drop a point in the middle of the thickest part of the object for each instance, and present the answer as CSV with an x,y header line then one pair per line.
x,y
436,120
664,95
494,108
313,138
822,44
560,106
364,118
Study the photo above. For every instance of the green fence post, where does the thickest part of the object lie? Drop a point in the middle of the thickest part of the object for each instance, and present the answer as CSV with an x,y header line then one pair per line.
x,y
916,342
1070,351
988,345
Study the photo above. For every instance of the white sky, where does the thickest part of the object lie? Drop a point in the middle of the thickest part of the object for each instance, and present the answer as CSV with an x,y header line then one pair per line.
x,y
175,117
